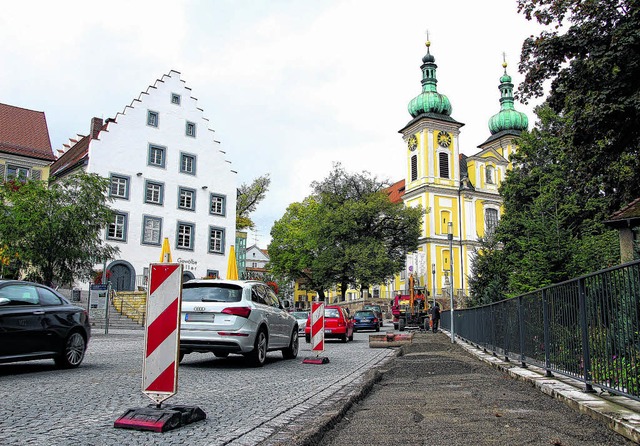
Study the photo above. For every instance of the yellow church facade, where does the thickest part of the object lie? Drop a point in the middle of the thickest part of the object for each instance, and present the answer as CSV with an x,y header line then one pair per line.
x,y
459,193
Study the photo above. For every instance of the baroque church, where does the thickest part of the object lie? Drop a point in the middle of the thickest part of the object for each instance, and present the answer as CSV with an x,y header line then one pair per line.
x,y
459,193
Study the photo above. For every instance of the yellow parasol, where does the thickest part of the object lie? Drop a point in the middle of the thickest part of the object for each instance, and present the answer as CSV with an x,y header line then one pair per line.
x,y
165,256
232,266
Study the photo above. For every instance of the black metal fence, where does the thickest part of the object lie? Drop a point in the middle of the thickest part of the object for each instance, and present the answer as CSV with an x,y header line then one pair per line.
x,y
587,328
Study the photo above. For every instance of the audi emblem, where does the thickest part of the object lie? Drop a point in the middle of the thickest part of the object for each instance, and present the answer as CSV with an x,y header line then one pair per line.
x,y
199,308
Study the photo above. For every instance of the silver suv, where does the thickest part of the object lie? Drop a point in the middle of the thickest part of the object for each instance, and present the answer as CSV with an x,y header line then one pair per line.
x,y
235,316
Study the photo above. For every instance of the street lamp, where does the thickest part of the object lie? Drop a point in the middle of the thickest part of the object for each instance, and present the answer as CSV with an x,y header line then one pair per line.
x,y
450,238
433,273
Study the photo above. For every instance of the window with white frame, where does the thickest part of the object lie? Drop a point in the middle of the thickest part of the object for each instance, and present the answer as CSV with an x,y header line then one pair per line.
x,y
217,205
216,240
175,99
156,156
152,118
491,220
117,229
187,199
151,230
191,129
490,175
119,187
185,235
188,163
17,173
154,193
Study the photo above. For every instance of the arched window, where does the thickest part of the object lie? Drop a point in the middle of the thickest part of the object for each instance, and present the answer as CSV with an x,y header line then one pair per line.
x,y
491,220
490,174
444,164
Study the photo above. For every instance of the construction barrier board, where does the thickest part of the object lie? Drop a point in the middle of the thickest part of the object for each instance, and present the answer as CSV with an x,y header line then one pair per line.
x,y
162,330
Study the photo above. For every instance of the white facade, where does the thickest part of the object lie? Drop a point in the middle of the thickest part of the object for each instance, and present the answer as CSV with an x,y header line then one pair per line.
x,y
256,258
169,179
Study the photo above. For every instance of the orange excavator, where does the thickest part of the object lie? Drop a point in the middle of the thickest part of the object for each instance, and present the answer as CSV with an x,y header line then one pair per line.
x,y
410,311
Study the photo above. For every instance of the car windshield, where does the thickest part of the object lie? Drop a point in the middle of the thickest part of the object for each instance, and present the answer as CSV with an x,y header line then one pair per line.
x,y
300,314
364,314
211,292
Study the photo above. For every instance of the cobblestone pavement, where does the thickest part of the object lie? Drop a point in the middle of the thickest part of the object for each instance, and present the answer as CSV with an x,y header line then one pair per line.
x,y
40,405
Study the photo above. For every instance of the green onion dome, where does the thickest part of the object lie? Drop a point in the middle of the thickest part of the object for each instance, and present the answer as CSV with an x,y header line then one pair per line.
x,y
508,118
429,101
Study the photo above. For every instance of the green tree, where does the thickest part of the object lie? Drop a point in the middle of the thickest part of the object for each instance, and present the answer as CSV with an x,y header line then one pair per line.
x,y
346,232
55,231
489,273
249,196
590,53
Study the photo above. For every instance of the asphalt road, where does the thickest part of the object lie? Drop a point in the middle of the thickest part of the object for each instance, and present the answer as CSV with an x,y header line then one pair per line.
x,y
40,405
438,394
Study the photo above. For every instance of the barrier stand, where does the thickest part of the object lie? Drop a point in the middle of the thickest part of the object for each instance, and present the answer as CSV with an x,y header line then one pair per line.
x,y
161,349
317,334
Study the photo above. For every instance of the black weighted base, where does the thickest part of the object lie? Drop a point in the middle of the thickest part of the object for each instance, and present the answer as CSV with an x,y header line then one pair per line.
x,y
159,419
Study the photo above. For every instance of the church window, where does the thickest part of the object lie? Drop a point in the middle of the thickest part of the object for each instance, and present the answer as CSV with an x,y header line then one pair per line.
x,y
414,167
444,165
491,220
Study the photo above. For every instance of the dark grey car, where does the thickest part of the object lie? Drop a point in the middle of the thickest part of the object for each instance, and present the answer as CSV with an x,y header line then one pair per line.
x,y
36,322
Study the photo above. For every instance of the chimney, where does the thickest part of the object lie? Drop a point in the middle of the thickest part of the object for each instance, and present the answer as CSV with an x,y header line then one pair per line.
x,y
96,126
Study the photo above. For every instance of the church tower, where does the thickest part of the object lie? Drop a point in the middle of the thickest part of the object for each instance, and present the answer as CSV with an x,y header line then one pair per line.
x,y
432,180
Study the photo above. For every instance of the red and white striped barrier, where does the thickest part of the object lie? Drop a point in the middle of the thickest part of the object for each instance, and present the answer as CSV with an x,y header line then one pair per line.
x,y
161,343
317,326
317,334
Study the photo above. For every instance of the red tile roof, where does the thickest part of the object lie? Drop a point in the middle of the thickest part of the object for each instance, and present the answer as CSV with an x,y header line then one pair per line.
x,y
627,216
79,152
395,191
24,132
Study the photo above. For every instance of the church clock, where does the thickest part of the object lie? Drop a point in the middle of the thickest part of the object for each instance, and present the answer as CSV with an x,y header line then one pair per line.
x,y
444,139
412,142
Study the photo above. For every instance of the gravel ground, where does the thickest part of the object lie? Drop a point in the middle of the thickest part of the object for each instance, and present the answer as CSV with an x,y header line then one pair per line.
x,y
438,394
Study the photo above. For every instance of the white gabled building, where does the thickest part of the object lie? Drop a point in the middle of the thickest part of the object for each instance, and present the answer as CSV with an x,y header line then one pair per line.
x,y
169,178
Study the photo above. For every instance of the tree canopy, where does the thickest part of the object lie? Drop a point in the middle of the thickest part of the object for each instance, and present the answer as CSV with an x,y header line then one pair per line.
x,y
249,196
346,233
53,234
590,53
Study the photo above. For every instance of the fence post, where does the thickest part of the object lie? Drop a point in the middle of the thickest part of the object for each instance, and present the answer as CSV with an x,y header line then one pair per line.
x,y
586,354
547,340
521,331
506,325
493,331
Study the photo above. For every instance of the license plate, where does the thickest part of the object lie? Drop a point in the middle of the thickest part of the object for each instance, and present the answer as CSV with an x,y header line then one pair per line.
x,y
199,317
327,330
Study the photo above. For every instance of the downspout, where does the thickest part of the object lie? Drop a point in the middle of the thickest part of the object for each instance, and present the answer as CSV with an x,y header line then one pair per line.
x,y
460,236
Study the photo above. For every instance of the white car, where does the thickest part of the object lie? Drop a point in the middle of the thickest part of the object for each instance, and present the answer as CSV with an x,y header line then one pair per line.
x,y
301,317
235,316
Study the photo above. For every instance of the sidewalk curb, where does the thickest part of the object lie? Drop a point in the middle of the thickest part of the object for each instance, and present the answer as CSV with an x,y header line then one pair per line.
x,y
317,429
618,413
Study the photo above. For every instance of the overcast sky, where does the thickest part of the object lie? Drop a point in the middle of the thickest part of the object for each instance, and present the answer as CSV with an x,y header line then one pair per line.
x,y
290,87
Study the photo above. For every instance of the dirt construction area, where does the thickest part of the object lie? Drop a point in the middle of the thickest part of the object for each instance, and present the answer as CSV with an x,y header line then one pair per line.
x,y
436,393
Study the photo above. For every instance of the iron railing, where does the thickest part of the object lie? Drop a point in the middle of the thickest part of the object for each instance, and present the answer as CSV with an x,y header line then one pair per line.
x,y
586,328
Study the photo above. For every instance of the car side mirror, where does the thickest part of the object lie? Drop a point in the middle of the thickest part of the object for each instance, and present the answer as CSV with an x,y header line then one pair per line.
x,y
4,301
286,304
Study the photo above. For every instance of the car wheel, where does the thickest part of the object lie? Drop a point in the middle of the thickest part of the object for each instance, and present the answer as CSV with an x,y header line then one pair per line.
x,y
220,354
378,328
401,324
73,353
258,355
292,350
307,338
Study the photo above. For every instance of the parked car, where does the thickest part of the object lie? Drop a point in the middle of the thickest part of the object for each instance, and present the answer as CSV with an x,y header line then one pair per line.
x,y
235,316
365,320
36,322
301,317
378,310
337,324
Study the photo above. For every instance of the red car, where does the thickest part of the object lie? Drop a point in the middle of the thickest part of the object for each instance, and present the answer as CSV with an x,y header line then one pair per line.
x,y
337,324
